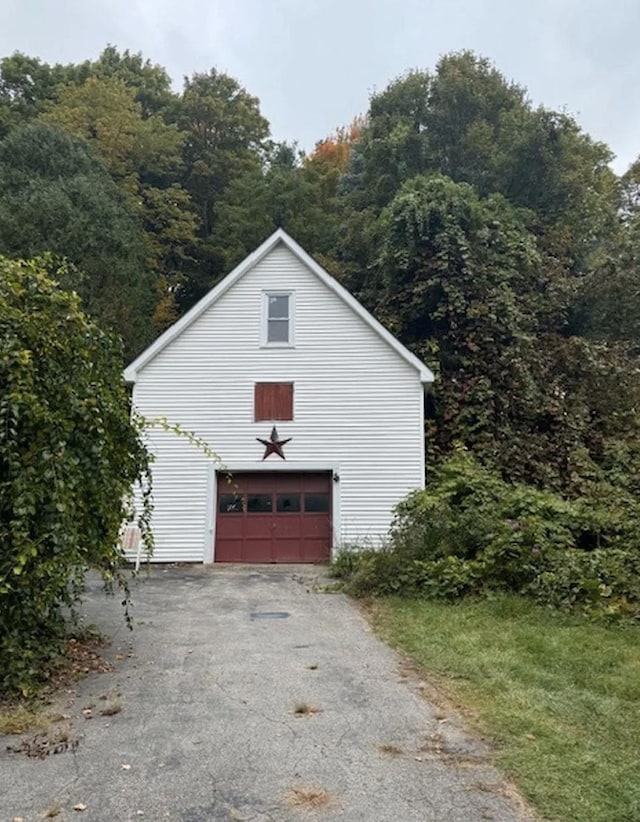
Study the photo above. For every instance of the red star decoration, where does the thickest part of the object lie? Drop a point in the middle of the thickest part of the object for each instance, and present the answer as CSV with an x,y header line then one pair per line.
x,y
274,444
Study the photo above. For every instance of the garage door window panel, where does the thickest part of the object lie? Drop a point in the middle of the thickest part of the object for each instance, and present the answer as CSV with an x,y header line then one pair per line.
x,y
316,503
230,504
259,503
288,503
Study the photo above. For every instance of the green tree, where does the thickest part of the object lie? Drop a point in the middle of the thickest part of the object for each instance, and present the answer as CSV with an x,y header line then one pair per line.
x,y
291,192
105,113
27,86
143,154
462,280
150,81
467,122
69,456
609,301
226,138
58,198
226,133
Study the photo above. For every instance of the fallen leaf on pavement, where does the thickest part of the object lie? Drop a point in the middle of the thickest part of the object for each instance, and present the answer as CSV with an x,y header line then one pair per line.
x,y
111,710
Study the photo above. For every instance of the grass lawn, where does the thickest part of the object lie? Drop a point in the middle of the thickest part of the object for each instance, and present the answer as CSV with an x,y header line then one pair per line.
x,y
560,696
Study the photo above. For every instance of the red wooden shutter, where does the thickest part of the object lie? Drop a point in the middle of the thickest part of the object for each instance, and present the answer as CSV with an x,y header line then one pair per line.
x,y
273,401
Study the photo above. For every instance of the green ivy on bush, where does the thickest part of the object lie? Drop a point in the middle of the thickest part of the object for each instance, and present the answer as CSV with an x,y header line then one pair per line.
x,y
69,456
470,532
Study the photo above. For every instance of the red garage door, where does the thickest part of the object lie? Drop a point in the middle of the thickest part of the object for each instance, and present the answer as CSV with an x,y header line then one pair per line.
x,y
274,517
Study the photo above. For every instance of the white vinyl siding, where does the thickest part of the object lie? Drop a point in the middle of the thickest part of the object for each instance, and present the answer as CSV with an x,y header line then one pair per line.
x,y
358,406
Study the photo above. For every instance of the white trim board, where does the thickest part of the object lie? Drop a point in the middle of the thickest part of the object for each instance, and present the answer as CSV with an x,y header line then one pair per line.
x,y
282,465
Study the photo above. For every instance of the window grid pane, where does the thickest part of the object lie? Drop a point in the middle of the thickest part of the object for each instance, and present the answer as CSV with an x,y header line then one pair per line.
x,y
278,306
316,503
278,331
230,504
259,504
288,503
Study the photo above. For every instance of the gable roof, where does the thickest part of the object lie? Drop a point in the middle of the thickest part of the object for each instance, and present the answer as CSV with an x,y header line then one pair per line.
x,y
279,236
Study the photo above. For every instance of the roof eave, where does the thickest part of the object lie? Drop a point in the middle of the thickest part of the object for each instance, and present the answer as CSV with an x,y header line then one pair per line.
x,y
131,371
426,375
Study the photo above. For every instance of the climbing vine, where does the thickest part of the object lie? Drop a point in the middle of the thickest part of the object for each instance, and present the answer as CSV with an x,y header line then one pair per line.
x,y
70,454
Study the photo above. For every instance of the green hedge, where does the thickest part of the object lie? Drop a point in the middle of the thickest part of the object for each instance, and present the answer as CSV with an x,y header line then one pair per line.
x,y
69,455
471,532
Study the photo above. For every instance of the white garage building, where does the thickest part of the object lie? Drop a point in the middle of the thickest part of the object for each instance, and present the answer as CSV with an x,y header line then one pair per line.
x,y
315,410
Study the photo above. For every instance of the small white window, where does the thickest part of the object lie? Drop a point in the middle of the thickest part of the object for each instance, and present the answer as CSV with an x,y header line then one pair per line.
x,y
278,318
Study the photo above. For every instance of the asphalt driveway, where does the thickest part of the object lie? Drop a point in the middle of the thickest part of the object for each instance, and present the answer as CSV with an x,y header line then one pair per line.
x,y
205,693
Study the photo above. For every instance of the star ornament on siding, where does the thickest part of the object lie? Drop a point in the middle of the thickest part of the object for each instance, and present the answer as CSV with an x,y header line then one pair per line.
x,y
274,444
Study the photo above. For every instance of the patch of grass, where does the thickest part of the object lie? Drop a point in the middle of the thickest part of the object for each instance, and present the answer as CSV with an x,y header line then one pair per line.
x,y
560,695
38,714
20,717
308,799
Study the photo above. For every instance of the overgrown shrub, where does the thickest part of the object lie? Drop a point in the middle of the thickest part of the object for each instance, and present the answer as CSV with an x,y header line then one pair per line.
x,y
606,580
470,532
69,456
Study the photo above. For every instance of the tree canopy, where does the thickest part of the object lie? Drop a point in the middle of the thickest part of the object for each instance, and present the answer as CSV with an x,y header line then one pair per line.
x,y
489,234
58,198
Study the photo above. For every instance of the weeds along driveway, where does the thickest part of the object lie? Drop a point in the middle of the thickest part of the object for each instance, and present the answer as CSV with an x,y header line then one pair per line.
x,y
251,694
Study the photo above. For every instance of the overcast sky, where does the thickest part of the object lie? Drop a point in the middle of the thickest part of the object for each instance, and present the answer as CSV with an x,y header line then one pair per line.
x,y
314,63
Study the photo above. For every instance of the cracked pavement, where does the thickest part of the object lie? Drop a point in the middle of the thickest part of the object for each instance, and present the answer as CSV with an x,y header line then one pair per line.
x,y
209,682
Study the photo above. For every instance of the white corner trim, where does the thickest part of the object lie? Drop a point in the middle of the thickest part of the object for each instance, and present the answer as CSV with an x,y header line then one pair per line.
x,y
209,536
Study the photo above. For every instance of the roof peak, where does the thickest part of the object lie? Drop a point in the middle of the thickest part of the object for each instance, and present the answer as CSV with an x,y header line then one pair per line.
x,y
279,235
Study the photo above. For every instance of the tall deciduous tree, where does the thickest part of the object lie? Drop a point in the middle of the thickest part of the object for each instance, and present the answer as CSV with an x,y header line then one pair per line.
x,y
58,198
151,83
27,86
462,281
225,134
609,303
468,122
291,192
105,113
143,154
